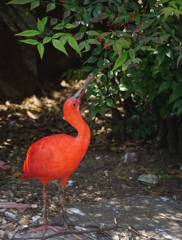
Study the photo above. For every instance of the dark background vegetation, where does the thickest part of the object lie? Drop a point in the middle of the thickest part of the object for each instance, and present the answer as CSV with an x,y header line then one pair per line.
x,y
141,93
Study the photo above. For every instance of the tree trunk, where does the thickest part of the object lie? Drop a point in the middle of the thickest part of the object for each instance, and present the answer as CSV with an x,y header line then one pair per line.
x,y
172,136
180,141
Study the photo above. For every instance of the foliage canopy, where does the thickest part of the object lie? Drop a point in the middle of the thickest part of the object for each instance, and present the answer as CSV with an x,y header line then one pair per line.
x,y
141,38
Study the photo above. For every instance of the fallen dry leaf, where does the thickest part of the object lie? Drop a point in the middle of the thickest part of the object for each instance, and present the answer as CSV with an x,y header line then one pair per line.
x,y
2,166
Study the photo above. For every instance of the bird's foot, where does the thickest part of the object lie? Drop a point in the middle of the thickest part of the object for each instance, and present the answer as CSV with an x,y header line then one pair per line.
x,y
45,227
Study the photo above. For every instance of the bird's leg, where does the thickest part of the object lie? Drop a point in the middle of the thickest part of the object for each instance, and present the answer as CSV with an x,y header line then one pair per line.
x,y
45,211
45,226
62,201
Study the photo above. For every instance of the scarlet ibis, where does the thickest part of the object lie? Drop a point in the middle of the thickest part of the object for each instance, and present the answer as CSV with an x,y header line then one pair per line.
x,y
58,156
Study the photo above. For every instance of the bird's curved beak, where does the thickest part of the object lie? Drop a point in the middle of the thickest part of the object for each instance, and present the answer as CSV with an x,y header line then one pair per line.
x,y
80,93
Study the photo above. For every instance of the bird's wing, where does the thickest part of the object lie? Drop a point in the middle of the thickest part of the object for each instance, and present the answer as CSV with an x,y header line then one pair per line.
x,y
48,157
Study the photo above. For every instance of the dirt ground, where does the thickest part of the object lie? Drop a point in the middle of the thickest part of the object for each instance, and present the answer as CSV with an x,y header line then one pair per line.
x,y
104,198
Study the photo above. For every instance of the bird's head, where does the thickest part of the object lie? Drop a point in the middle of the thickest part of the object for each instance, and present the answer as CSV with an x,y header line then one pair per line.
x,y
71,108
72,105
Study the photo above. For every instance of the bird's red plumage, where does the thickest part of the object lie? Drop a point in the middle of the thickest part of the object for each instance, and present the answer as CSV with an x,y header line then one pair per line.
x,y
58,156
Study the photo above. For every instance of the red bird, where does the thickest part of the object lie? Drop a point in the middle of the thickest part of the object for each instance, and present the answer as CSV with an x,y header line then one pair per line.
x,y
58,156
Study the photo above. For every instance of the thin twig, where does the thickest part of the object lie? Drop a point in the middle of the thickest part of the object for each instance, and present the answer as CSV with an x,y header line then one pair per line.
x,y
78,233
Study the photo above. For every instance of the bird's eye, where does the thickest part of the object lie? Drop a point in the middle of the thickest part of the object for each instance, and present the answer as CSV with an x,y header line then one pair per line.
x,y
74,104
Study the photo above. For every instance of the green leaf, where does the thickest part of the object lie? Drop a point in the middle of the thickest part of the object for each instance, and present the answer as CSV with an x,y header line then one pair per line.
x,y
120,60
92,113
179,112
167,11
58,45
174,85
82,45
174,96
177,104
34,4
177,13
53,21
121,9
164,37
92,59
169,53
79,35
131,53
102,111
109,102
163,1
63,39
137,60
20,2
100,63
59,26
97,51
152,3
70,25
46,40
178,60
172,4
87,68
92,33
66,14
164,86
40,26
30,41
122,87
124,43
135,7
126,64
92,41
73,43
28,33
151,96
44,21
103,79
57,35
40,48
96,11
139,91
50,7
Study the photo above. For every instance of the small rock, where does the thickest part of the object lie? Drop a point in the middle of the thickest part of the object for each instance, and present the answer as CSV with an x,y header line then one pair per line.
x,y
2,210
2,233
78,228
148,179
18,200
4,221
165,199
18,236
55,198
130,157
97,157
70,183
24,220
10,215
124,186
35,218
76,211
98,199
9,235
34,206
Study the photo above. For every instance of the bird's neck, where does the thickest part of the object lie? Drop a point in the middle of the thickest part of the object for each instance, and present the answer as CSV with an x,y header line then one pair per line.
x,y
83,131
83,137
